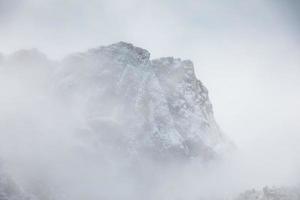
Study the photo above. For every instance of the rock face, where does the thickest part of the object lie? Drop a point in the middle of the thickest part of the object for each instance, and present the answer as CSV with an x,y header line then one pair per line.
x,y
110,116
125,101
157,107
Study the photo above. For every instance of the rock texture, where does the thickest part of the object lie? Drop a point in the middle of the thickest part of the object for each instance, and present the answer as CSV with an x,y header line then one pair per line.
x,y
157,107
108,112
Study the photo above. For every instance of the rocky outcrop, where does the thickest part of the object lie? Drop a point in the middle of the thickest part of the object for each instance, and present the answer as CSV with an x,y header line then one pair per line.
x,y
157,107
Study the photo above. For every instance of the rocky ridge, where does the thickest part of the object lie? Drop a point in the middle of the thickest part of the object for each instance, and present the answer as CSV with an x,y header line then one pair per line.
x,y
155,106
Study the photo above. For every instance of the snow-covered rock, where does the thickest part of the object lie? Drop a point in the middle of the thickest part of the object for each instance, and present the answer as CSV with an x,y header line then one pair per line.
x,y
118,98
157,107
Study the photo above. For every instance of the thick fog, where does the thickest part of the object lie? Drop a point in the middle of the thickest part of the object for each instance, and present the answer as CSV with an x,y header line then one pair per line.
x,y
245,52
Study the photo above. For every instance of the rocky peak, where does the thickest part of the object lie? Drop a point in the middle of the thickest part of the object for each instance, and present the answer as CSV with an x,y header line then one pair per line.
x,y
149,107
125,53
162,108
169,65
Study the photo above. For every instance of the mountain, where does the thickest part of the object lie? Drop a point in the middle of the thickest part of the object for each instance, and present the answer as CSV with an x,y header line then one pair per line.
x,y
154,107
110,117
123,100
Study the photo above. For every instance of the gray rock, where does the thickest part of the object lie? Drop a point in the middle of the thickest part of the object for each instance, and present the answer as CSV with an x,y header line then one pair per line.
x,y
157,107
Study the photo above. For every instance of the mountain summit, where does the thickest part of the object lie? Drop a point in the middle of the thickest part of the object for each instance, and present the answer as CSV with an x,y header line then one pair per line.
x,y
106,118
157,107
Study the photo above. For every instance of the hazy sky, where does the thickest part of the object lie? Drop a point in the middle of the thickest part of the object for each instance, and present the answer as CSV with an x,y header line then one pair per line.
x,y
246,52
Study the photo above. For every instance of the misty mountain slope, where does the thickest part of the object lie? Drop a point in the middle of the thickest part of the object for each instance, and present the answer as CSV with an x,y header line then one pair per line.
x,y
9,190
274,193
157,107
107,118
